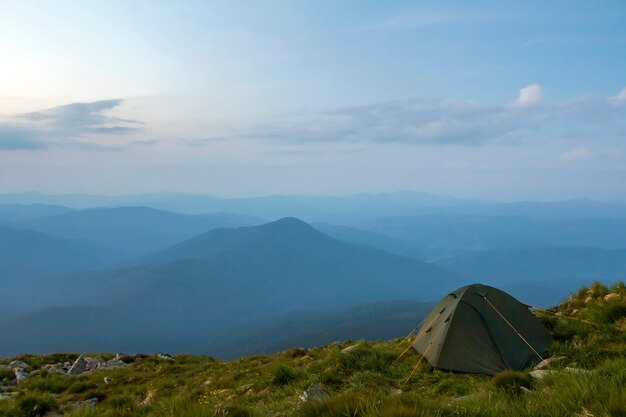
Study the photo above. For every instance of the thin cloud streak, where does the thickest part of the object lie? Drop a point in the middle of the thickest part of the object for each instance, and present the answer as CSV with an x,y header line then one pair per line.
x,y
430,121
62,125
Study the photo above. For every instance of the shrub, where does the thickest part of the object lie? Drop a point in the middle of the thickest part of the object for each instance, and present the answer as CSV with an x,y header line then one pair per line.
x,y
614,311
128,359
364,358
331,378
35,406
81,386
282,375
121,403
295,352
511,381
52,383
451,386
7,373
598,289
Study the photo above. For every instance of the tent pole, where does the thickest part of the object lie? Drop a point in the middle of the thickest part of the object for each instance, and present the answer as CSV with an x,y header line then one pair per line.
x,y
423,356
418,336
514,329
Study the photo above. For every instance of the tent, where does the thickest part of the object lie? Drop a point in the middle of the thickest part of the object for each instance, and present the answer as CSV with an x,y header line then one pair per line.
x,y
480,329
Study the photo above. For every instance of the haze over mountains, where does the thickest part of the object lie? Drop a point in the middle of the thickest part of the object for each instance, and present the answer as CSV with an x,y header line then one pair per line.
x,y
140,278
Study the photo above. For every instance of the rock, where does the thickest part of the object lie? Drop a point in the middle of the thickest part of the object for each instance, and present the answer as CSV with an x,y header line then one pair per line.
x,y
165,356
112,364
588,299
19,364
546,362
20,375
395,391
612,296
149,397
78,367
350,348
540,373
524,390
56,367
314,393
91,402
92,364
107,380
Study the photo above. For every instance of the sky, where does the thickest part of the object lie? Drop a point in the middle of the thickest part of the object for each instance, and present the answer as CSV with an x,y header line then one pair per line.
x,y
486,99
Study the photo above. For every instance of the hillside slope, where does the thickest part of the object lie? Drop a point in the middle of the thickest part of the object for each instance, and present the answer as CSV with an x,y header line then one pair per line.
x,y
365,378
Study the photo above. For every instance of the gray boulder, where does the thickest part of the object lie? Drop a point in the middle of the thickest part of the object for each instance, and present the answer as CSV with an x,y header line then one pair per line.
x,y
314,393
78,367
20,375
19,364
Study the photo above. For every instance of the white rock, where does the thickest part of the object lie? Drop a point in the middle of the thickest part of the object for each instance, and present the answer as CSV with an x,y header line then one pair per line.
x,y
540,373
165,356
19,364
314,393
350,348
20,375
544,363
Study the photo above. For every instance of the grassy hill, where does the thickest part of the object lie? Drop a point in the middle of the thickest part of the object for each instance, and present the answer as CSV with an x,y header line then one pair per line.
x,y
589,330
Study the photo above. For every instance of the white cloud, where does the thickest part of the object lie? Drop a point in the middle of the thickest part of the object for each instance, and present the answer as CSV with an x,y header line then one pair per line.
x,y
620,97
529,95
432,121
576,154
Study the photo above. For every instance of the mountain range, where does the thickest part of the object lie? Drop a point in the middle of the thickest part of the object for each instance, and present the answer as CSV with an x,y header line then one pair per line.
x,y
140,278
223,278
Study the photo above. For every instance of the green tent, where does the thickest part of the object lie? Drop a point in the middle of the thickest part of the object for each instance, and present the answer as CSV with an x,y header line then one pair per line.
x,y
480,329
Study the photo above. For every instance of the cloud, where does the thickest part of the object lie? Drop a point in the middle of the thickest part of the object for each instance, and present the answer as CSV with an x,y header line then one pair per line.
x,y
62,125
529,95
619,98
577,154
431,121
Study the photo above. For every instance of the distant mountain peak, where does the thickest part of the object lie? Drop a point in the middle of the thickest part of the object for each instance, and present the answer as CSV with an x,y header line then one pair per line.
x,y
288,222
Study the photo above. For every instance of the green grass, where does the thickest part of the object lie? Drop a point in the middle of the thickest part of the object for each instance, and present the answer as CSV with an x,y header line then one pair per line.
x,y
366,381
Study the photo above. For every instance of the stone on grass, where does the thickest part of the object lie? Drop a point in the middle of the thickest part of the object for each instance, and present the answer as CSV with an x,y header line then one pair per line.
x,y
20,375
546,362
541,373
91,403
19,364
350,348
314,393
